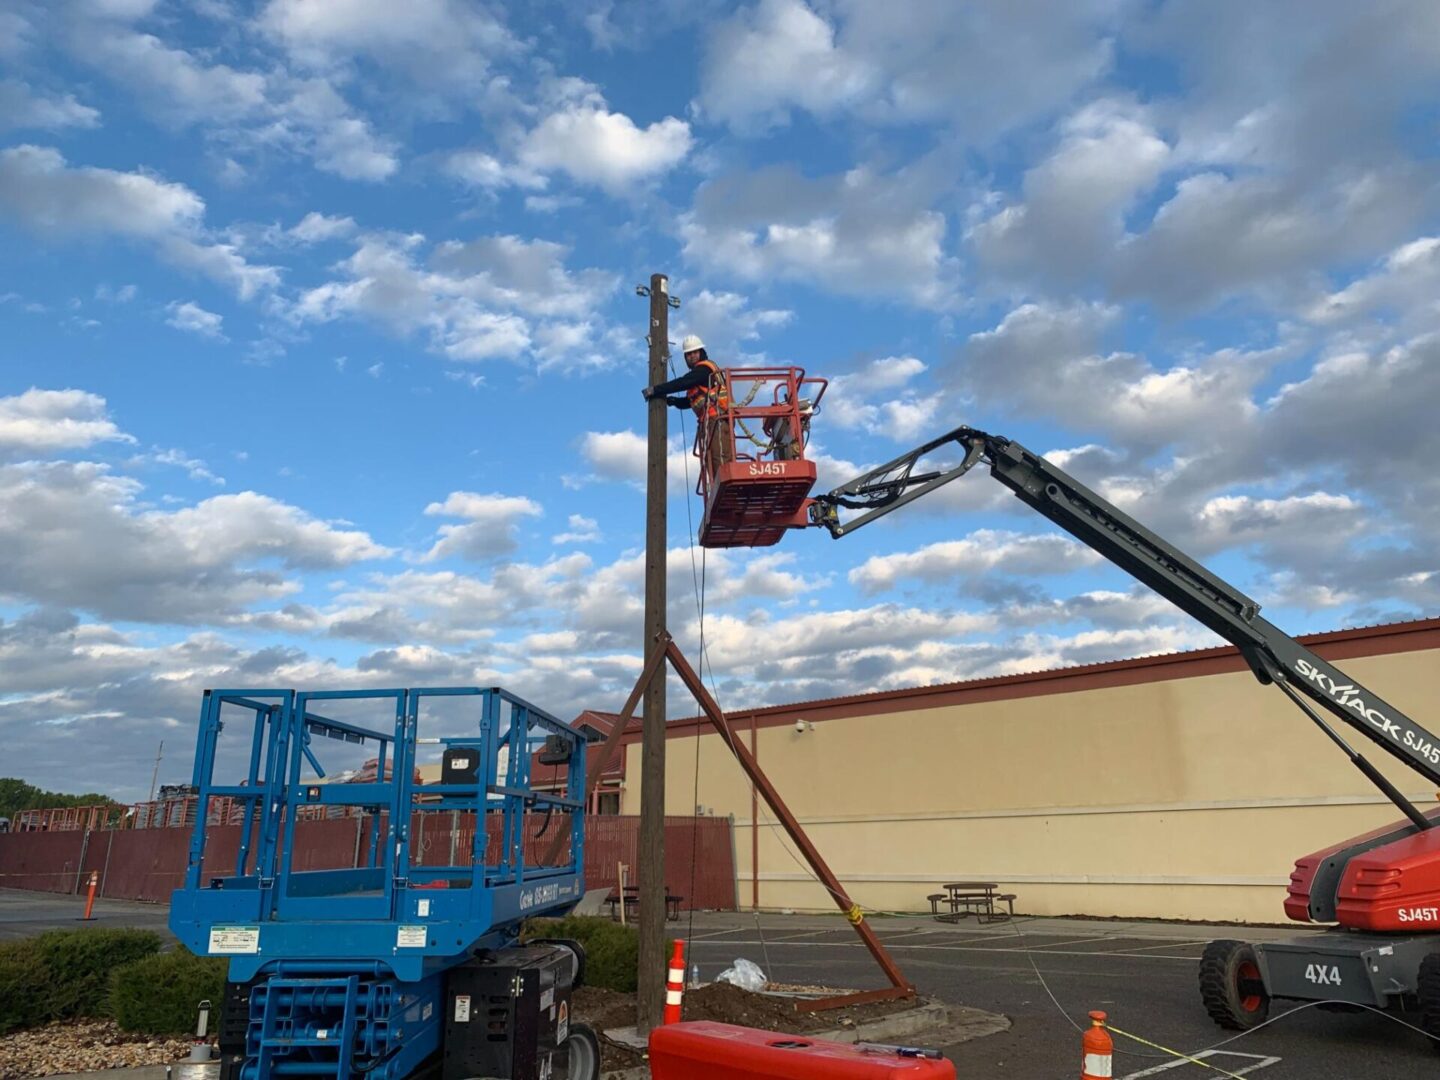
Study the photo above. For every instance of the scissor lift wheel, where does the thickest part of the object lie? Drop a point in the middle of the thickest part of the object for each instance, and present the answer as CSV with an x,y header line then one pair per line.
x,y
1230,985
582,1054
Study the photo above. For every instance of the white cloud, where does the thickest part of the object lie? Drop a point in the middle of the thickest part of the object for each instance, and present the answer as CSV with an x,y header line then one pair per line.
x,y
482,170
583,530
1073,203
438,41
21,107
1046,360
49,197
1406,286
44,421
978,67
526,275
983,552
577,135
475,300
317,228
173,84
491,528
622,456
1296,112
77,535
314,119
1293,523
193,319
777,55
1220,235
123,295
725,320
194,467
615,455
248,112
860,232
220,262
850,400
595,146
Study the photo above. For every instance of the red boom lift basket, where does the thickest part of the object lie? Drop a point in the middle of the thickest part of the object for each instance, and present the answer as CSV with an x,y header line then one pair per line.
x,y
754,478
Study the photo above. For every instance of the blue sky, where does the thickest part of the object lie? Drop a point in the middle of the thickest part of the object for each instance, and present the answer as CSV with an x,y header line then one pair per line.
x,y
320,354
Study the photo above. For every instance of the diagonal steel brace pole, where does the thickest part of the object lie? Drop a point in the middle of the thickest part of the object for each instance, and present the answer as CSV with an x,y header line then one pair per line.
x,y
612,740
901,987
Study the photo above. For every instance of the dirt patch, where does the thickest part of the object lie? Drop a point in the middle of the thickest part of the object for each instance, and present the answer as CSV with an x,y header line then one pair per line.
x,y
605,1009
82,1046
730,1005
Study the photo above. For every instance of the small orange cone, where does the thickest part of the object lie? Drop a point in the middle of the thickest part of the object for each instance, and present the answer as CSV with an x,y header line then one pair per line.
x,y
1098,1047
675,984
90,899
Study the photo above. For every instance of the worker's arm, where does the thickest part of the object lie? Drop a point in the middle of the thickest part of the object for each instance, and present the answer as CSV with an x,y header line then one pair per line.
x,y
696,376
679,401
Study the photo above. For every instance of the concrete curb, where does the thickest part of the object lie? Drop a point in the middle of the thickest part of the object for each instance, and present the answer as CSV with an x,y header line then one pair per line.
x,y
940,1024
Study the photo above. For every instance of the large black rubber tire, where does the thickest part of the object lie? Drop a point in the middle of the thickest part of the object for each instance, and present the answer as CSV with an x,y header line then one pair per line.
x,y
1427,989
582,1047
1230,985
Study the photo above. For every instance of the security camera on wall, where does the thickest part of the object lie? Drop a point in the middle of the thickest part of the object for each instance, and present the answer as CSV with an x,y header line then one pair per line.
x,y
802,726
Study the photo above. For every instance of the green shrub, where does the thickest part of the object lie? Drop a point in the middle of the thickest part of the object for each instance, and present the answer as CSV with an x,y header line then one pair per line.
x,y
24,986
64,973
159,994
82,962
612,951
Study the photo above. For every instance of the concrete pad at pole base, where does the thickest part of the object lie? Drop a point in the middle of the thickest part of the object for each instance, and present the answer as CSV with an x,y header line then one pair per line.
x,y
933,1023
138,1072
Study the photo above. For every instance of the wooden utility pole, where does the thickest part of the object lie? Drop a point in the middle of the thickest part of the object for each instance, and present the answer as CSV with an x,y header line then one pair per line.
x,y
155,773
651,852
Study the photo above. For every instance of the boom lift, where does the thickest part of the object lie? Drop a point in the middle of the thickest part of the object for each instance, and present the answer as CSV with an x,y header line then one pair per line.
x,y
754,477
382,963
1382,889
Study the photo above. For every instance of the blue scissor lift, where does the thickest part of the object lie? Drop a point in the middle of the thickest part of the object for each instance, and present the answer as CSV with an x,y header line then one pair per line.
x,y
345,972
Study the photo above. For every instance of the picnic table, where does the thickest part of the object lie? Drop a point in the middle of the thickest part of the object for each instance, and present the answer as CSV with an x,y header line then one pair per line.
x,y
966,898
632,903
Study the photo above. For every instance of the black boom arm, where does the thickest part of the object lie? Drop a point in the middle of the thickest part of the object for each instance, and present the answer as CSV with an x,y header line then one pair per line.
x,y
1274,656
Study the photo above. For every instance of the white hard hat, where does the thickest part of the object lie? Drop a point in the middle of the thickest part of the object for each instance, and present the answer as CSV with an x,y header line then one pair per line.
x,y
691,343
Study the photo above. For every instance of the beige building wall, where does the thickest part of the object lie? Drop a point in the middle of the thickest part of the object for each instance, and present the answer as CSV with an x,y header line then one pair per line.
x,y
1179,795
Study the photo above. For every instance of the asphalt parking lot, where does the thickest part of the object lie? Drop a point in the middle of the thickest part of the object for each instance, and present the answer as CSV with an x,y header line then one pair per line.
x,y
1142,974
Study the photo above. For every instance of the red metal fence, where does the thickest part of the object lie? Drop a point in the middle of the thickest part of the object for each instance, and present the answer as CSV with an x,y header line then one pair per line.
x,y
149,864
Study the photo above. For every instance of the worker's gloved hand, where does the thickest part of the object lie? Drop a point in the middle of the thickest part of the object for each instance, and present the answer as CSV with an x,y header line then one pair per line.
x,y
647,393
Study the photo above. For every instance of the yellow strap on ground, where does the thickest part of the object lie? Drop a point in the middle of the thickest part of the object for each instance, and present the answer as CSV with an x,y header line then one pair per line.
x,y
1177,1053
855,915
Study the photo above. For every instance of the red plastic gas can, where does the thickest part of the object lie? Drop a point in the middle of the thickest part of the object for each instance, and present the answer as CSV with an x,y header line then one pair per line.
x,y
702,1050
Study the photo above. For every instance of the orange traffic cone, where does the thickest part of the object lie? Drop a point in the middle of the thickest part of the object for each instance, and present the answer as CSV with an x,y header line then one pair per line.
x,y
1097,1046
675,984
90,899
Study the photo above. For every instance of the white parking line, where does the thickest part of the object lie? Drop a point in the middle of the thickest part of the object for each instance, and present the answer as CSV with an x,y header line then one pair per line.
x,y
1170,945
1024,943
1259,1061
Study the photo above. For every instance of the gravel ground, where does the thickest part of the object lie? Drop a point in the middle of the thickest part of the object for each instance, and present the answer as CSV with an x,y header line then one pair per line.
x,y
80,1046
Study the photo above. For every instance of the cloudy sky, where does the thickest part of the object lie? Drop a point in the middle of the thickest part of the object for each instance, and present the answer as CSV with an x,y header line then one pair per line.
x,y
320,354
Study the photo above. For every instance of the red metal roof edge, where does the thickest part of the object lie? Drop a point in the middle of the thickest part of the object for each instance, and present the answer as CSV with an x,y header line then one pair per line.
x,y
1222,653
